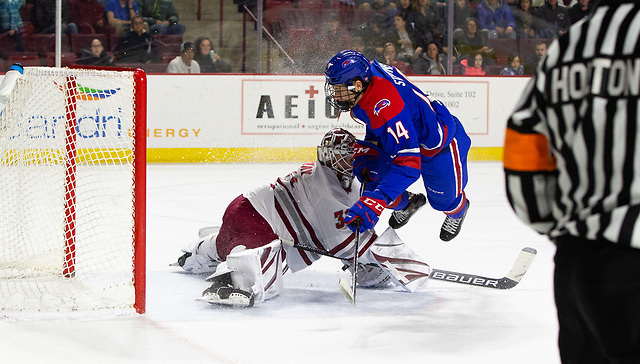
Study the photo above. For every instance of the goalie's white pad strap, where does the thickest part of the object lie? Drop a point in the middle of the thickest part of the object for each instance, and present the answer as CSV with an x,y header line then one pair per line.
x,y
256,270
404,266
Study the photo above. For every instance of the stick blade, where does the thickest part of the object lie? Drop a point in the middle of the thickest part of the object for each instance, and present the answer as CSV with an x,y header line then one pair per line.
x,y
519,268
347,291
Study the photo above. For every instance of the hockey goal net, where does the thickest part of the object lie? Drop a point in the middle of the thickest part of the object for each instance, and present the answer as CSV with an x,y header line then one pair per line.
x,y
72,190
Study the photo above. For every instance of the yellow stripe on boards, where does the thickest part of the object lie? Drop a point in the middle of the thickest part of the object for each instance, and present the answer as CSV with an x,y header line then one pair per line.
x,y
251,155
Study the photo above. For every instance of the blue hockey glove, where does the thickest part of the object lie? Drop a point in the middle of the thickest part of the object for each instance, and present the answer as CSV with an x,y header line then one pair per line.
x,y
365,161
364,214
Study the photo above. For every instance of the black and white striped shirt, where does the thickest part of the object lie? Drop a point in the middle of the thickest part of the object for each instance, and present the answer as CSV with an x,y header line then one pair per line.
x,y
572,146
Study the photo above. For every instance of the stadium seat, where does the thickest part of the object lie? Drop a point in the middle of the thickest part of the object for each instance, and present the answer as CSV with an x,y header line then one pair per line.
x,y
272,10
26,58
311,4
45,43
168,43
66,59
155,68
503,48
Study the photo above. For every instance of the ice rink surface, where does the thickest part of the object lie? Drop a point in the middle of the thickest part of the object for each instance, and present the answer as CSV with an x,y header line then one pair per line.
x,y
312,322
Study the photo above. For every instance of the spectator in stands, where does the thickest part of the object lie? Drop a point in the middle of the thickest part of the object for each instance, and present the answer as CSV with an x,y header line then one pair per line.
x,y
496,16
88,16
331,39
532,62
405,39
553,20
45,21
136,46
208,60
11,22
461,12
119,14
390,59
429,62
184,63
425,19
162,17
470,39
377,5
375,35
95,56
403,7
523,16
514,67
477,68
579,10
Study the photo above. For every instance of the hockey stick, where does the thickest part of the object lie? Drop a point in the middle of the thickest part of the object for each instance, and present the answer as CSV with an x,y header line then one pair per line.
x,y
350,292
518,270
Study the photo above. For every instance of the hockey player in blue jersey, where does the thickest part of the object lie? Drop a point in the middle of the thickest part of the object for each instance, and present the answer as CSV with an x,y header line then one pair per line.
x,y
408,134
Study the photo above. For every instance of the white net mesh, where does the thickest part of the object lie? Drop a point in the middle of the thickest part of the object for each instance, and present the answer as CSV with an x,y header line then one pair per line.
x,y
67,195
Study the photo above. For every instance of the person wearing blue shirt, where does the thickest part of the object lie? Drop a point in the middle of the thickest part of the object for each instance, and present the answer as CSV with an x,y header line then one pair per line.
x,y
408,135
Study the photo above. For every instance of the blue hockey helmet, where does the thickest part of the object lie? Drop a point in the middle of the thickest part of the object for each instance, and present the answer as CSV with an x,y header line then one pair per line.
x,y
344,69
347,66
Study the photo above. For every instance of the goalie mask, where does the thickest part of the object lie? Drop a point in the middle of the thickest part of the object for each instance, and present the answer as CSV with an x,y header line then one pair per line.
x,y
341,73
336,152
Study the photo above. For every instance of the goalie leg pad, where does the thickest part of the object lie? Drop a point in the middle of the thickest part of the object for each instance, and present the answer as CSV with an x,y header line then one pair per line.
x,y
257,271
405,268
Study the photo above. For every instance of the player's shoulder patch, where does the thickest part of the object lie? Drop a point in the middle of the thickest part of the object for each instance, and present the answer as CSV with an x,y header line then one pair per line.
x,y
382,102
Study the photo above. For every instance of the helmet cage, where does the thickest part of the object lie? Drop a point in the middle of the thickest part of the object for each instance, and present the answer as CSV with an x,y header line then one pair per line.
x,y
344,99
336,152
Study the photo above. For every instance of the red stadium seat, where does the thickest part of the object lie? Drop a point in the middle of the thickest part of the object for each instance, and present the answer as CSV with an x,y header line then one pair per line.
x,y
66,59
45,43
26,58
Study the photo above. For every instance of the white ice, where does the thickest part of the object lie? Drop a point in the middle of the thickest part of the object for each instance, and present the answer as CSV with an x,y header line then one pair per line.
x,y
311,322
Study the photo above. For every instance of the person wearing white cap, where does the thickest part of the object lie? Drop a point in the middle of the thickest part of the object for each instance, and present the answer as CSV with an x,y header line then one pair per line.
x,y
184,63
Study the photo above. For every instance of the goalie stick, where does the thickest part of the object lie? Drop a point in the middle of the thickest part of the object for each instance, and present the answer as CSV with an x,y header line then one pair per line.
x,y
350,292
518,270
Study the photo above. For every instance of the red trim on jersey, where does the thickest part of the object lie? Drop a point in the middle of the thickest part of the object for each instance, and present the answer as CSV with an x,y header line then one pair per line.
x,y
412,161
381,102
457,164
305,222
431,152
291,231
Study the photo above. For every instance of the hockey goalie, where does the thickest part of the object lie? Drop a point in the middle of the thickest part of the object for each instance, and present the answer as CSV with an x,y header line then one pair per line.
x,y
305,209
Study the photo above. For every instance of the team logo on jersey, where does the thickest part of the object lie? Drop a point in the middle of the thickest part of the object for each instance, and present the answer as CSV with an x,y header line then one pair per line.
x,y
90,94
381,105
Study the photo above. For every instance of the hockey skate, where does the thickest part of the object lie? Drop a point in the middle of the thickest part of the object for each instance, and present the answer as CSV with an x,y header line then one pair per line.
x,y
222,292
451,227
400,218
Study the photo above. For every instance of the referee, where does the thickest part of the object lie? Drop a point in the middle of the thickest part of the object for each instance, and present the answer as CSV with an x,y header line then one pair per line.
x,y
572,165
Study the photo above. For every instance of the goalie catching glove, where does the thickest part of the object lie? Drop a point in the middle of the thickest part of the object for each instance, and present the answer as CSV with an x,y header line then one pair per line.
x,y
366,211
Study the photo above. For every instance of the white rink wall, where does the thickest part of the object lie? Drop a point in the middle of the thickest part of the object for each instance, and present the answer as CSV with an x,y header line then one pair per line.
x,y
260,118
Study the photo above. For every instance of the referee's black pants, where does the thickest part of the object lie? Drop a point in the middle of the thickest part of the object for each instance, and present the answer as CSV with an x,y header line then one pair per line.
x,y
597,293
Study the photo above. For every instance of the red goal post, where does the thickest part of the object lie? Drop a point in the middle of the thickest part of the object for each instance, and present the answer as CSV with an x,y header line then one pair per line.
x,y
72,190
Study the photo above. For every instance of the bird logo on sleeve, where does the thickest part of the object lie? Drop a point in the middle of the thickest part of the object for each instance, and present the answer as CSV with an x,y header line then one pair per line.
x,y
381,105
